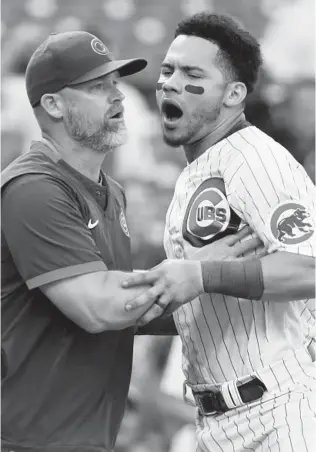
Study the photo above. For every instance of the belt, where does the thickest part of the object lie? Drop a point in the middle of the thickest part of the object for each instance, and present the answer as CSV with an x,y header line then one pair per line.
x,y
219,401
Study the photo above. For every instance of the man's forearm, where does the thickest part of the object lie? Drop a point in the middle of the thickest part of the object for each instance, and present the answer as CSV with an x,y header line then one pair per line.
x,y
280,276
96,301
288,276
115,299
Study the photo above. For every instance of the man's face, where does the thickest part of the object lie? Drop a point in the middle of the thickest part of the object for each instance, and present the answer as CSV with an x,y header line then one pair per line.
x,y
94,113
190,90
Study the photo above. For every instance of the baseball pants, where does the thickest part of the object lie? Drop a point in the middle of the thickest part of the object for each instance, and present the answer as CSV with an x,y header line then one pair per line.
x,y
283,420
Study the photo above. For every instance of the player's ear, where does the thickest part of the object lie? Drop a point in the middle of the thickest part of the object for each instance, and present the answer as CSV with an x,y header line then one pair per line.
x,y
236,93
53,105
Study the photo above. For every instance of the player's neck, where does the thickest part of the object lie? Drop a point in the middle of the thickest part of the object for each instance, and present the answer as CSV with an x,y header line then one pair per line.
x,y
221,130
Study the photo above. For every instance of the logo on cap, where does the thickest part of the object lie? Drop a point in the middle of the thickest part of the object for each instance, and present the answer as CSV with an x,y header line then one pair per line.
x,y
291,223
99,47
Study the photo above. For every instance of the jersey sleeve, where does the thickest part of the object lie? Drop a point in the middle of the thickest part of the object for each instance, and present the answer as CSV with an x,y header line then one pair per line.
x,y
272,192
45,231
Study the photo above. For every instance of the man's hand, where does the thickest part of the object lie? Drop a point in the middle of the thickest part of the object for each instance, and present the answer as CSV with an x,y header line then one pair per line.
x,y
229,248
172,281
176,282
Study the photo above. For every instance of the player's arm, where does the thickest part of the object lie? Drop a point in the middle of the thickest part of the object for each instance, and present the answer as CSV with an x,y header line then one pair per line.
x,y
230,247
54,251
275,278
175,282
280,276
288,276
273,194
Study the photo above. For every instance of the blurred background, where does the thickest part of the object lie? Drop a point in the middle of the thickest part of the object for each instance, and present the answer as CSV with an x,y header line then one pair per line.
x,y
283,106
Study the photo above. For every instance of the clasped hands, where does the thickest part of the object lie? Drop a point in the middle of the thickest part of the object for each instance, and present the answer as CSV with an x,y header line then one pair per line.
x,y
176,282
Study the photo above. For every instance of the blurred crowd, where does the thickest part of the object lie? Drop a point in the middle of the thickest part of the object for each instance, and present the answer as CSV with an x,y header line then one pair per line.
x,y
283,106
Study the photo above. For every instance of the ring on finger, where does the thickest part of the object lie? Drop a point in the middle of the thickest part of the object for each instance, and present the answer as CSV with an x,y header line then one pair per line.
x,y
162,306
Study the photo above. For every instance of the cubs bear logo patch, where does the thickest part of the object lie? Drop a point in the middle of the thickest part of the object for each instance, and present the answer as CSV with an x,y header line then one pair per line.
x,y
209,216
291,223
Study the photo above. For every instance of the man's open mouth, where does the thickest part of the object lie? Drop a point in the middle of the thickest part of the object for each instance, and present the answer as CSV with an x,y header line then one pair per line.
x,y
171,110
118,115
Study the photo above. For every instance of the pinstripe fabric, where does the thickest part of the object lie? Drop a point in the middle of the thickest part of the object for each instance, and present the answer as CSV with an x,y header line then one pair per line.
x,y
284,420
225,338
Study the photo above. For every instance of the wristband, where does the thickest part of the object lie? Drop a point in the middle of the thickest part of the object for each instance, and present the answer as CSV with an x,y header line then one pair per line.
x,y
238,279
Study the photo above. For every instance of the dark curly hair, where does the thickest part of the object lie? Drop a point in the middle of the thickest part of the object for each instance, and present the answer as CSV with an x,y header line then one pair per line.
x,y
239,55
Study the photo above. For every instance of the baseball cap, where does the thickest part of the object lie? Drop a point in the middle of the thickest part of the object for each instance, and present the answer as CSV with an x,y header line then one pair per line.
x,y
71,58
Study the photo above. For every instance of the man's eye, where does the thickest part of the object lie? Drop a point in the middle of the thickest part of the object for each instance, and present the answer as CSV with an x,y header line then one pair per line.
x,y
97,86
165,72
194,76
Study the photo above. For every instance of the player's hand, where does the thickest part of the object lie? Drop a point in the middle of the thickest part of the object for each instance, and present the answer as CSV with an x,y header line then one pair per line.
x,y
172,281
228,248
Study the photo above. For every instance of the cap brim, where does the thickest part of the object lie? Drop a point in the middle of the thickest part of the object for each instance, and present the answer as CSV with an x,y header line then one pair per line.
x,y
124,67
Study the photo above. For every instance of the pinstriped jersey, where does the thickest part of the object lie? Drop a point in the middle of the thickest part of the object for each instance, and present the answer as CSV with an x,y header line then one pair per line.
x,y
246,178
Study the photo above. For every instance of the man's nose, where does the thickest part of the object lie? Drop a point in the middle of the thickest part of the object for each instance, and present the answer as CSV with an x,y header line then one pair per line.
x,y
173,83
117,95
120,95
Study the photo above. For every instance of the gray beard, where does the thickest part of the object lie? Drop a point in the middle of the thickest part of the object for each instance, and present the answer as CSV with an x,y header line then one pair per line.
x,y
101,140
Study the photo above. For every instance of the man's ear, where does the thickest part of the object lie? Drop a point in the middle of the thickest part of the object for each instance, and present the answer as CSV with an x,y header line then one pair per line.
x,y
236,93
53,105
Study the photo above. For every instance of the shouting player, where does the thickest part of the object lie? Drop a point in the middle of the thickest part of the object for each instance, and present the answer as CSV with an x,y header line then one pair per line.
x,y
247,332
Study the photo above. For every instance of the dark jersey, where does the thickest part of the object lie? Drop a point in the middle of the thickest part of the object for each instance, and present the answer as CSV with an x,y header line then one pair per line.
x,y
62,388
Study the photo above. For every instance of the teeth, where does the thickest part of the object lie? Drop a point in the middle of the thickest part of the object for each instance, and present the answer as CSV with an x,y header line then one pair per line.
x,y
171,118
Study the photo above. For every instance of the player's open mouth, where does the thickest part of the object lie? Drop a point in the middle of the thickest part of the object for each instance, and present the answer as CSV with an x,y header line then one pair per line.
x,y
171,111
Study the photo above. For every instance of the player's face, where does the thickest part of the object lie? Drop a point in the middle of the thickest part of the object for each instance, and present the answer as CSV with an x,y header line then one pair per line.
x,y
94,113
190,90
